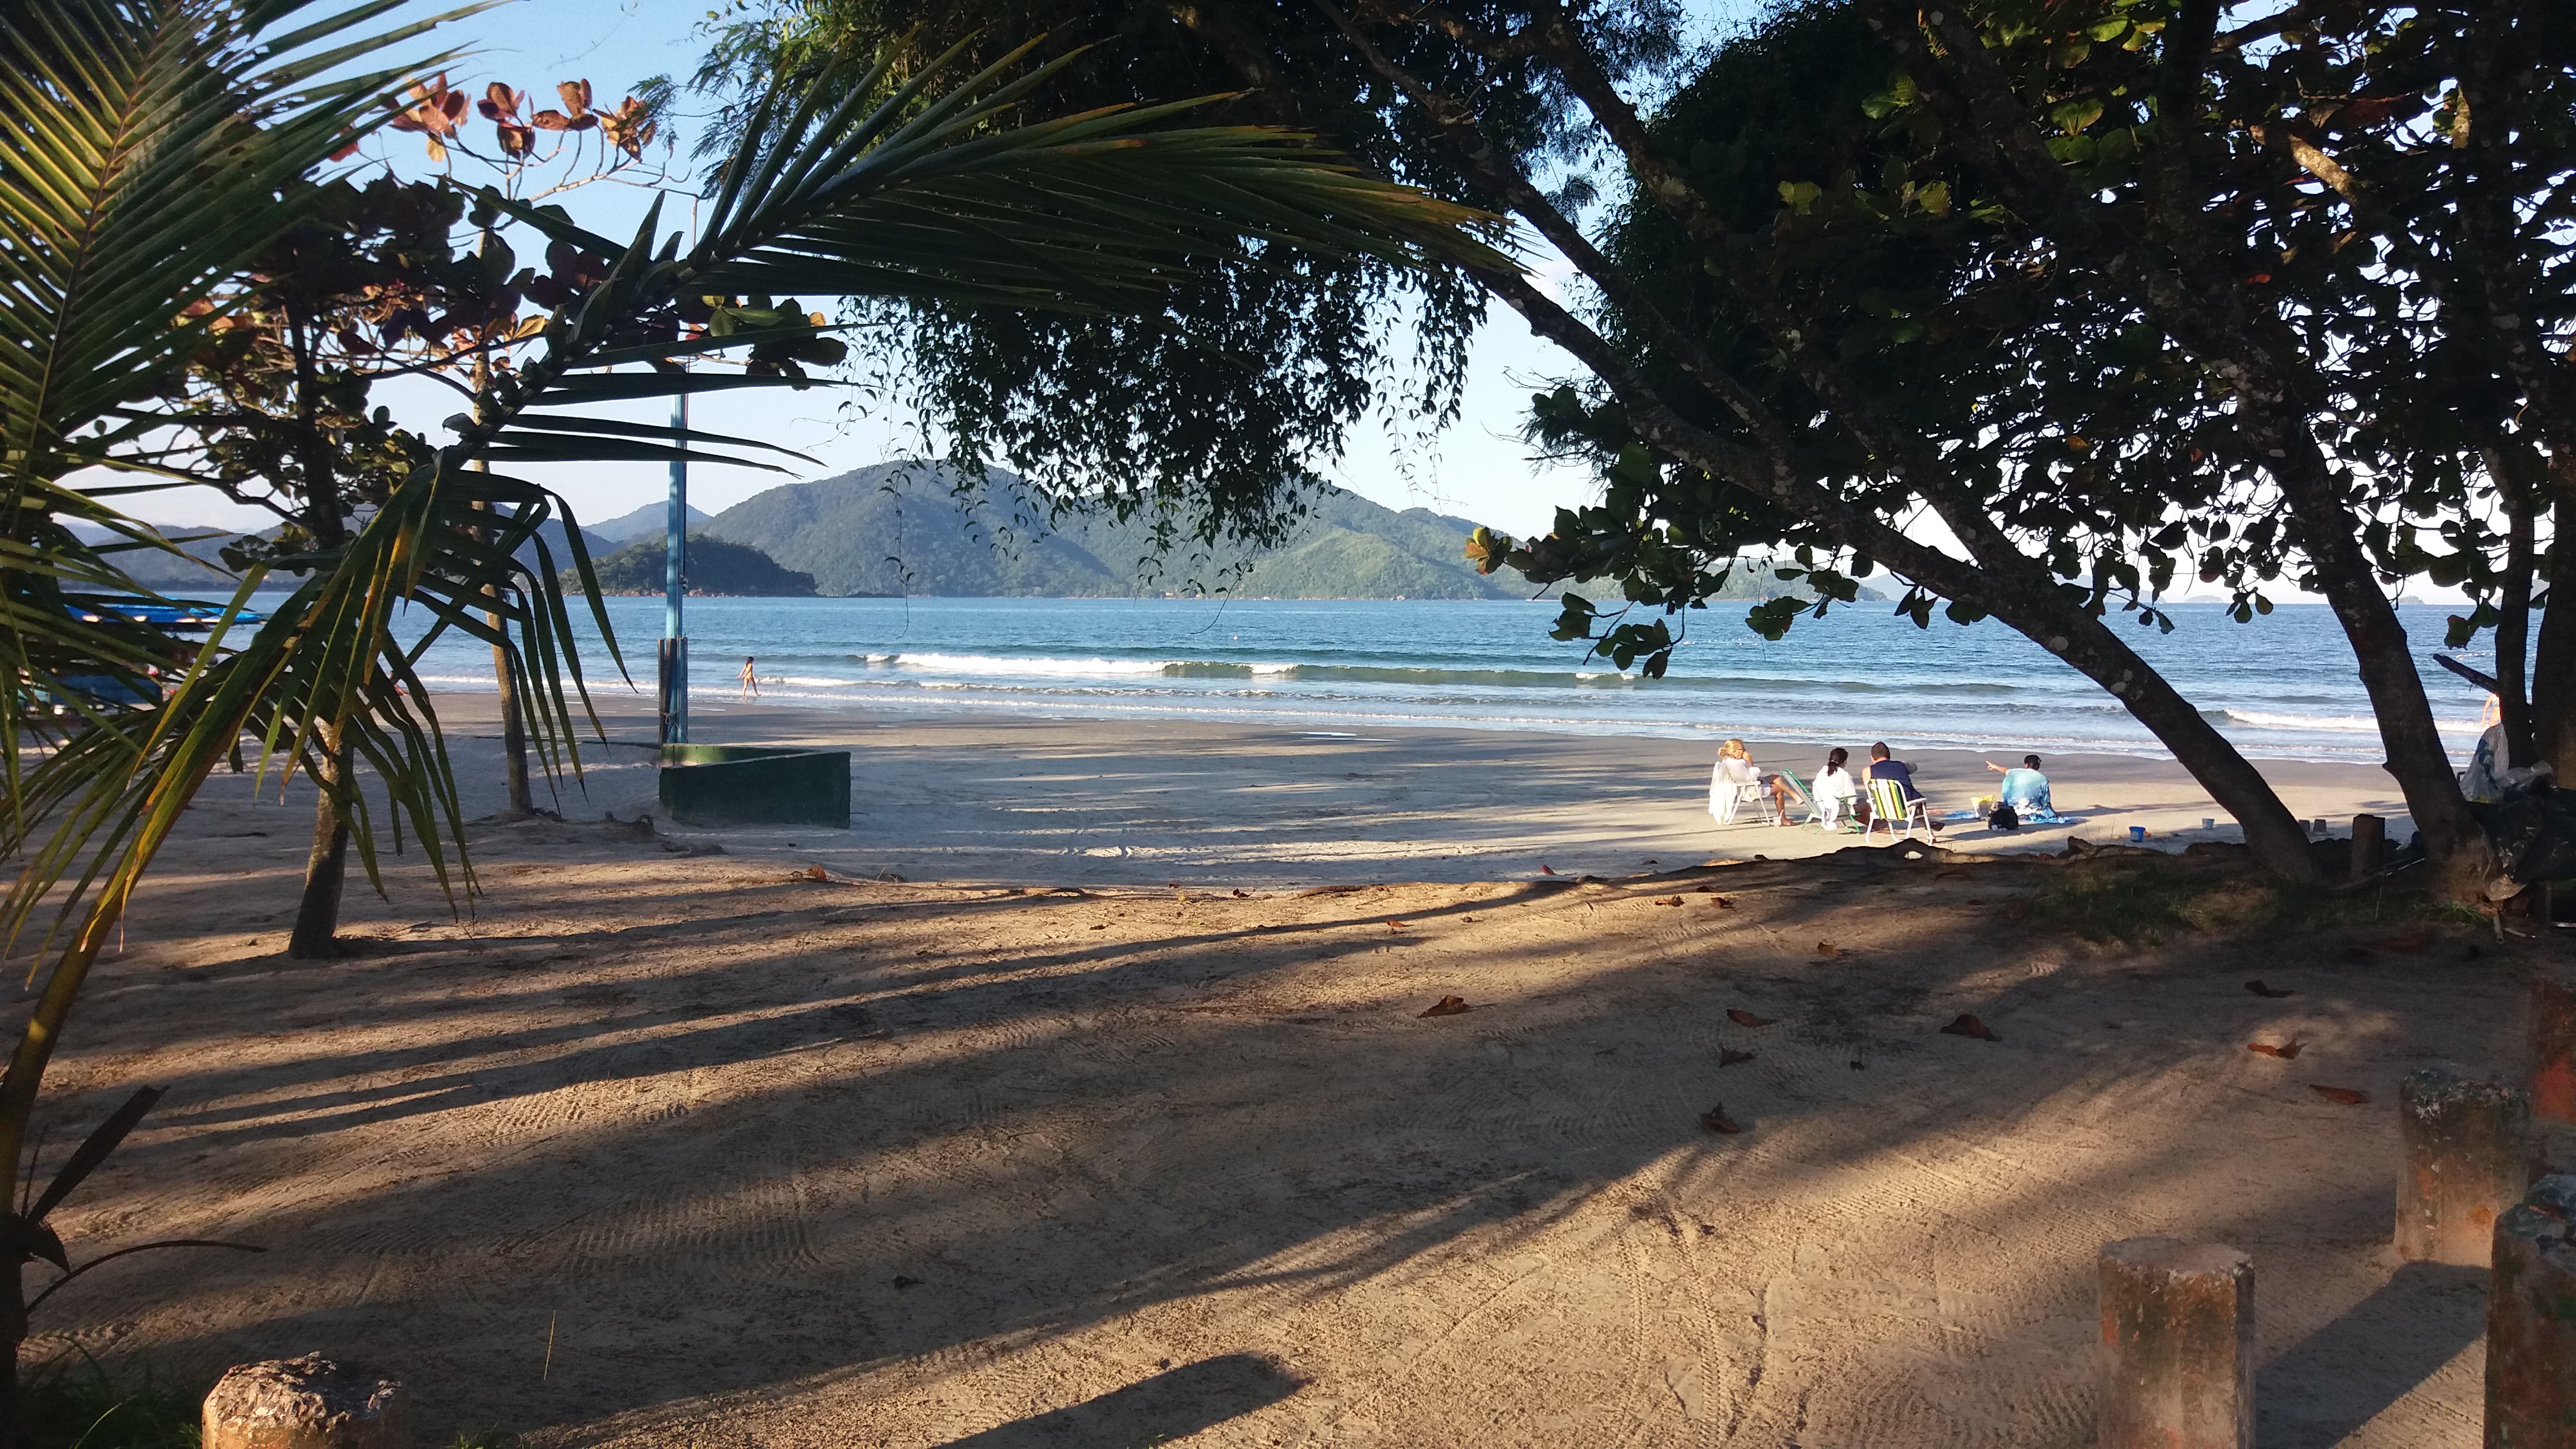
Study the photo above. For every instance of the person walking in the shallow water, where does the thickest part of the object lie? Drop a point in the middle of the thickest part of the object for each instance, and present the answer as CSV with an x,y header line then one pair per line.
x,y
750,681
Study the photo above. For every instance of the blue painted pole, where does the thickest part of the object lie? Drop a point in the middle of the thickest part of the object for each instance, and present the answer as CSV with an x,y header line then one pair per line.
x,y
675,636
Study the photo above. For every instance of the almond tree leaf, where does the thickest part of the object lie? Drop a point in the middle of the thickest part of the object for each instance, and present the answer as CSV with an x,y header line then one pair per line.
x,y
1729,1057
1971,1026
1741,1017
2273,992
1716,1120
2266,1048
2341,1096
1447,1006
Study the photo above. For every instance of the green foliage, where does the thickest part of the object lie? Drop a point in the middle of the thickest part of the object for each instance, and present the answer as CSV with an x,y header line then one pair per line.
x,y
711,565
1205,416
78,1402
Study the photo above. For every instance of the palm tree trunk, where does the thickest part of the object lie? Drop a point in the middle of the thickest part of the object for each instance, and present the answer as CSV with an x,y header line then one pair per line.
x,y
514,731
326,865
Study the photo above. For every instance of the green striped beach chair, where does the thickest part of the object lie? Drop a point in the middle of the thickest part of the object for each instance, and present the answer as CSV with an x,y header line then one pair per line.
x,y
1889,807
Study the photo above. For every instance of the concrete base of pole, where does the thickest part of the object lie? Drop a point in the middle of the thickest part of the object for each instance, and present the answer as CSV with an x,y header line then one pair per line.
x,y
306,1403
2531,1322
2463,1144
2553,1046
2369,844
2177,1346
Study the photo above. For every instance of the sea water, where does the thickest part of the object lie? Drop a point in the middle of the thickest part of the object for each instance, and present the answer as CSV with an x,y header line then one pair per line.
x,y
2282,686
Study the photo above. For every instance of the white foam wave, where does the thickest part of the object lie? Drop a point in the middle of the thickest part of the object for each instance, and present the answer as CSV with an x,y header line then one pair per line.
x,y
1003,664
2334,723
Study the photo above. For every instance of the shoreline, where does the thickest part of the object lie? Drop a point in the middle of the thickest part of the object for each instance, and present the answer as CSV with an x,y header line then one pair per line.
x,y
1019,800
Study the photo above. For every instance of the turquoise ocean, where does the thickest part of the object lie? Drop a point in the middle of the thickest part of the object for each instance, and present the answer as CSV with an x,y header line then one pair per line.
x,y
2282,686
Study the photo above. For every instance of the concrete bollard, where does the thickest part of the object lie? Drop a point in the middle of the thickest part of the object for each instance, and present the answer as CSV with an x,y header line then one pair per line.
x,y
2177,1346
2531,1322
2463,1144
2369,844
2553,1047
306,1403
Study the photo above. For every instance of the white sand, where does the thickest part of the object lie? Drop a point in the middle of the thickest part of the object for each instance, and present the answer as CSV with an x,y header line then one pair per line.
x,y
661,1149
1035,801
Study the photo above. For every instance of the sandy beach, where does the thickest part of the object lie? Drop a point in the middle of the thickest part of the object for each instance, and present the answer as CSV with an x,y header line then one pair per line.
x,y
665,1146
1036,801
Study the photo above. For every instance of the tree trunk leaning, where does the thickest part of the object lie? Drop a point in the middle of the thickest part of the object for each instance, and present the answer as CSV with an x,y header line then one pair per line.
x,y
306,1403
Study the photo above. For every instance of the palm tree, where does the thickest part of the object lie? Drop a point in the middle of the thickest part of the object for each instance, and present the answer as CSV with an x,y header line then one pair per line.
x,y
850,180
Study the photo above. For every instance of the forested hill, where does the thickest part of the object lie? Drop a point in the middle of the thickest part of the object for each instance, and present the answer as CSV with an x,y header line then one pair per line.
x,y
897,529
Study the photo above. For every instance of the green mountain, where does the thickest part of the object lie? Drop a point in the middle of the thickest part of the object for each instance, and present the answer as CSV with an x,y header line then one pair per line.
x,y
897,528
652,518
159,571
708,566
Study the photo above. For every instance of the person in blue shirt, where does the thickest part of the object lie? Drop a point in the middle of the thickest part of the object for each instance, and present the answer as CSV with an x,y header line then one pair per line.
x,y
1883,768
2025,789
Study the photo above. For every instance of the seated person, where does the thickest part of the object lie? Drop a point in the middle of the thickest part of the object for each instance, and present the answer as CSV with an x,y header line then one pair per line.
x,y
1837,793
2025,789
1883,768
1733,782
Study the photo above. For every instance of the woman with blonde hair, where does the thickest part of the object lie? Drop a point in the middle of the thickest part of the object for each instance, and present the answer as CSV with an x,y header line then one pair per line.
x,y
1735,782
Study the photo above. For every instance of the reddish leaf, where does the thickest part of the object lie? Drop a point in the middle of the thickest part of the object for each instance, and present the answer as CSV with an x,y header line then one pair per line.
x,y
1547,870
1730,1057
1716,1120
2341,1096
1240,895
1973,1026
1741,1017
1824,948
1447,1006
516,140
816,872
2269,1050
2274,992
1399,925
576,95
1668,901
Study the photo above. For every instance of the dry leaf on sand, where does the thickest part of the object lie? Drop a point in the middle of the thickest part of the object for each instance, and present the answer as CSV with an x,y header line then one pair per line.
x,y
1974,1026
1668,900
1447,1006
1742,1017
2274,992
2341,1096
2265,1048
1730,1057
1716,1120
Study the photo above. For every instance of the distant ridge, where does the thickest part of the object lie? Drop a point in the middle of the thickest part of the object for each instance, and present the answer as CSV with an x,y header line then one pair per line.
x,y
897,528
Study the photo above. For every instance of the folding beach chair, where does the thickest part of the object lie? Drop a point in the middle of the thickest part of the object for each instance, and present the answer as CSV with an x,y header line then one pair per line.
x,y
1805,796
1889,807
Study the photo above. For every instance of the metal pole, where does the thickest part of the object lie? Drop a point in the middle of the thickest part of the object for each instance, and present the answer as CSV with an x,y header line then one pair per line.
x,y
675,637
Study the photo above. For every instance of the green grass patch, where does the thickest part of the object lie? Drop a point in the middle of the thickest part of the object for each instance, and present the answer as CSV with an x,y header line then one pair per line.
x,y
80,1403
2138,902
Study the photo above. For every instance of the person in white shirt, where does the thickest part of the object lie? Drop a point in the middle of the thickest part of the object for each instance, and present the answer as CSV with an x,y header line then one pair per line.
x,y
1733,782
1836,789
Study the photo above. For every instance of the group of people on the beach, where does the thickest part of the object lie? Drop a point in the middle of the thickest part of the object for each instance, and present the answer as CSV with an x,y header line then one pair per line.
x,y
1837,799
